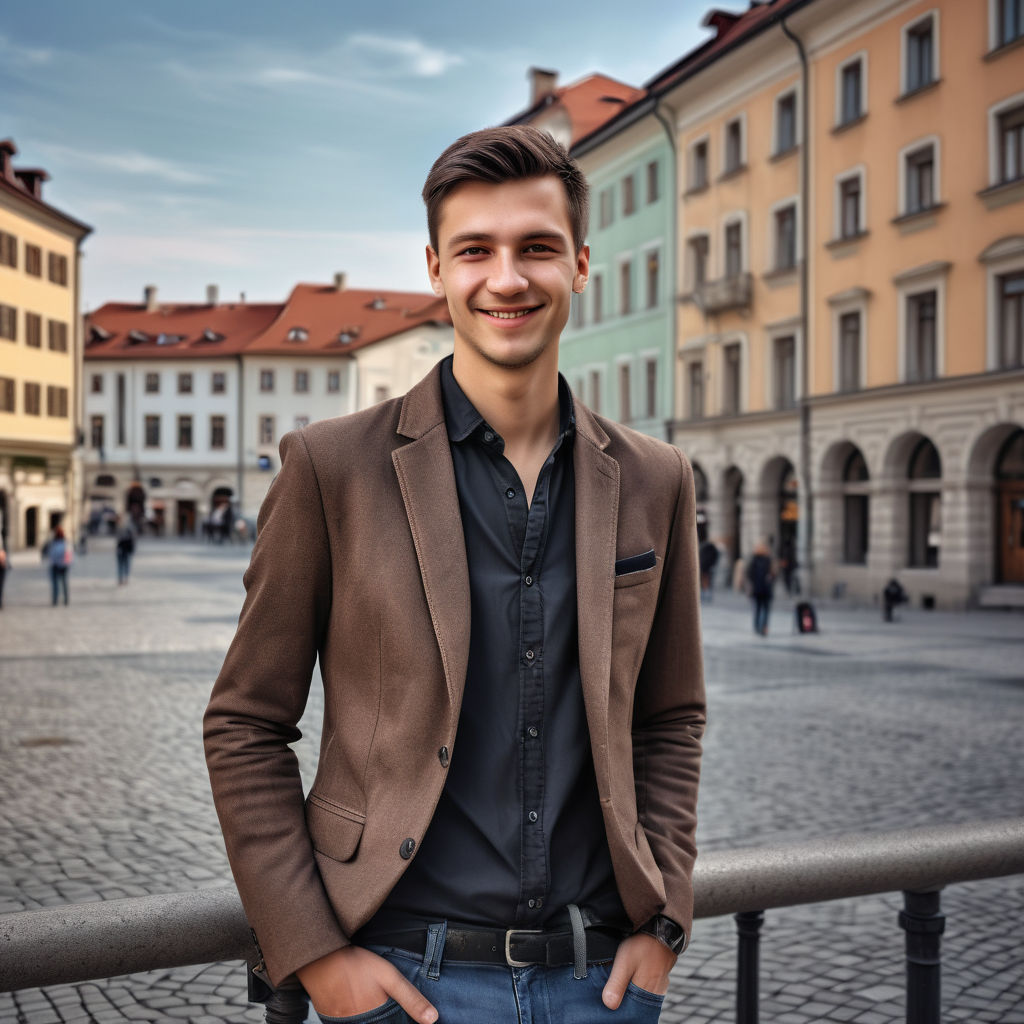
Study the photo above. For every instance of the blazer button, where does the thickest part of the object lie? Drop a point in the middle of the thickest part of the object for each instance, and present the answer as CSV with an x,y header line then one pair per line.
x,y
406,849
443,756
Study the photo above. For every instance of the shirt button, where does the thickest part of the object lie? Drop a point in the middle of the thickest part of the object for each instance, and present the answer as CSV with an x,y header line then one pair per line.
x,y
540,903
510,493
529,655
443,757
532,815
533,731
532,904
488,436
406,849
528,581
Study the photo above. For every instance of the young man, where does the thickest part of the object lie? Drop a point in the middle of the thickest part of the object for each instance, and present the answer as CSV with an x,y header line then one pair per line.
x,y
502,591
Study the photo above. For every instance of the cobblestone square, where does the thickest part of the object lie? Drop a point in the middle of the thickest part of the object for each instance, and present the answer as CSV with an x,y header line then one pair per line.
x,y
863,726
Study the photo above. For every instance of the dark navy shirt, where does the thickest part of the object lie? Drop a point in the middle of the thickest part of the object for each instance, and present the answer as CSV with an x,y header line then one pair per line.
x,y
518,833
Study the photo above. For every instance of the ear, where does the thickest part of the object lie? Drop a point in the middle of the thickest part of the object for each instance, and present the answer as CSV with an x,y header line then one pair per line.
x,y
434,272
579,281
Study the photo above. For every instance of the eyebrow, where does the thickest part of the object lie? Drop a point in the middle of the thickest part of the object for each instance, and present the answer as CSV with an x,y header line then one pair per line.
x,y
473,236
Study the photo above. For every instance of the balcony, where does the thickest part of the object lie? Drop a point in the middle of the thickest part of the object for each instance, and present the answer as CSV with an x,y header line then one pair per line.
x,y
724,294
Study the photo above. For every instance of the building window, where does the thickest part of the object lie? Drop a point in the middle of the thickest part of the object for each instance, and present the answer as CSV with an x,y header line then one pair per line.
x,y
605,200
58,268
922,349
919,177
8,250
785,123
184,431
695,389
266,381
266,430
121,409
653,278
218,383
597,284
33,399
1011,321
733,249
7,396
850,200
58,336
855,509
33,260
784,367
919,63
731,379
698,247
1011,145
218,432
184,383
628,195
56,401
152,383
8,322
1010,25
595,390
626,287
699,165
96,384
625,405
849,351
33,330
152,427
733,146
298,334
333,382
924,472
301,382
785,237
851,91
653,182
651,388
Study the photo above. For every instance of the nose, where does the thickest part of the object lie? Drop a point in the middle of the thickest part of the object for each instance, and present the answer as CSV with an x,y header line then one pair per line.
x,y
505,277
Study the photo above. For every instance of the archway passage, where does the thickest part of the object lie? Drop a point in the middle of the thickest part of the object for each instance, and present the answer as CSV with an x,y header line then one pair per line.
x,y
1010,504
732,528
135,505
700,487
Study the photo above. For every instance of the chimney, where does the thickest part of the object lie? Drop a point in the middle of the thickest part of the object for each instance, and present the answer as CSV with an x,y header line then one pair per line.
x,y
149,297
339,281
542,83
7,151
211,295
32,179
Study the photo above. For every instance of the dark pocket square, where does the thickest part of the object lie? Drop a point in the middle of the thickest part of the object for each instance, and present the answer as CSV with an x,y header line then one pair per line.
x,y
636,563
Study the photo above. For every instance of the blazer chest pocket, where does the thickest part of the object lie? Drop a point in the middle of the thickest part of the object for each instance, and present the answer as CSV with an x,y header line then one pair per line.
x,y
636,569
335,830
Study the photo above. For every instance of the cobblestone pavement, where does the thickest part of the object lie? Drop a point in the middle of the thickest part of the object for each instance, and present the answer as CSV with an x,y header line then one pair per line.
x,y
103,789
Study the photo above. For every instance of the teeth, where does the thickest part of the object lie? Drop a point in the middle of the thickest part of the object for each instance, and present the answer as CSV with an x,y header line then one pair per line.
x,y
508,316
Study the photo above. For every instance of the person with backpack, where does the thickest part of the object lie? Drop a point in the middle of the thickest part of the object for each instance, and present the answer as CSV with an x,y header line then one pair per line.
x,y
60,555
761,584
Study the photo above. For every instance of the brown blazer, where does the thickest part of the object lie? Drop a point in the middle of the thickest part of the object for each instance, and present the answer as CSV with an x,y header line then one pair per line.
x,y
361,561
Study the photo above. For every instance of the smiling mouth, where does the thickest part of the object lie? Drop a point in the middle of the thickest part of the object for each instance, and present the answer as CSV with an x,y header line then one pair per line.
x,y
516,314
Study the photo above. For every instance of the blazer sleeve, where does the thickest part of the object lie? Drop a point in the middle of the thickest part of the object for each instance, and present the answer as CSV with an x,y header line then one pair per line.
x,y
669,712
252,718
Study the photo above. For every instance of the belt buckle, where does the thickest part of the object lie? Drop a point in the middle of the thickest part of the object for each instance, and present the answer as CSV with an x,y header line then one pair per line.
x,y
508,945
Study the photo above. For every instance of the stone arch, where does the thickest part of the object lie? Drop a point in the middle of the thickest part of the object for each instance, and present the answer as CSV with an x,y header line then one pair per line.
x,y
701,494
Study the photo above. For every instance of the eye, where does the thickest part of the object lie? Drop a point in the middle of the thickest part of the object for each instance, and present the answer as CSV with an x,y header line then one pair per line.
x,y
539,247
473,250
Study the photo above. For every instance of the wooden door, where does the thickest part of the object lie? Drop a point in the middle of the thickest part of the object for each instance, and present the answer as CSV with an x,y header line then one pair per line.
x,y
1011,532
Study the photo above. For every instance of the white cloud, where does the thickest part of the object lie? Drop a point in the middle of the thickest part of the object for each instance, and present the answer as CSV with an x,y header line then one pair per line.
x,y
128,162
11,51
413,55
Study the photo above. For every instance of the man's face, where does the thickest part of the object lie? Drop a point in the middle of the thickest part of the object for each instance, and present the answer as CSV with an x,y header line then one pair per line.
x,y
507,265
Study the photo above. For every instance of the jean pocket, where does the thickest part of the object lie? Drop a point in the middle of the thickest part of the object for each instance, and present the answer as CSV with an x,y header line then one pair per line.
x,y
387,1013
641,994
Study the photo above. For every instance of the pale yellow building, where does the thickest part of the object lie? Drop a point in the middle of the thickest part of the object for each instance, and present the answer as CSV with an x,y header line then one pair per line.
x,y
40,358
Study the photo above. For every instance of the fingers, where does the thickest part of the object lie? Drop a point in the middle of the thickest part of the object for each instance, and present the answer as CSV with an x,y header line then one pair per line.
x,y
410,998
618,978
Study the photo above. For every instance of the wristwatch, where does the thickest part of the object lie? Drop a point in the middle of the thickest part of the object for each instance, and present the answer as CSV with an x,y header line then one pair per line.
x,y
666,931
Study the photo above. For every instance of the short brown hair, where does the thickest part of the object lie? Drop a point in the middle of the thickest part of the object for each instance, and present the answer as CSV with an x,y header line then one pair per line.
x,y
508,153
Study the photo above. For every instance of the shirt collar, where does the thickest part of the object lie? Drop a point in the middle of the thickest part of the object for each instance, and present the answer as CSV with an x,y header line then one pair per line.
x,y
463,420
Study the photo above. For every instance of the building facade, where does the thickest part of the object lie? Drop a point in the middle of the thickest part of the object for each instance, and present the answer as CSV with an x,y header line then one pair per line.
x,y
40,357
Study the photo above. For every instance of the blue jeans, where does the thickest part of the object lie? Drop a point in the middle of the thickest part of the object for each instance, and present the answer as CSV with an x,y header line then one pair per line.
x,y
59,579
124,565
469,993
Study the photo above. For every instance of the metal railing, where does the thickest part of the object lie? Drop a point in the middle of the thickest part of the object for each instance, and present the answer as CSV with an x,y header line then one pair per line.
x,y
81,942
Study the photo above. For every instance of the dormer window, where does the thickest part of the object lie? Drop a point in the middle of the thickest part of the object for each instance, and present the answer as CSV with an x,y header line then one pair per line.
x,y
378,303
168,339
98,334
210,335
137,337
347,334
298,334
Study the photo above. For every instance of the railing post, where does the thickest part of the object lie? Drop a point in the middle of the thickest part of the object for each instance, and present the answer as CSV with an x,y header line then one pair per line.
x,y
922,919
748,965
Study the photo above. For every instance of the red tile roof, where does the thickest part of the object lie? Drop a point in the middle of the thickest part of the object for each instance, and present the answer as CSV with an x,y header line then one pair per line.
x,y
589,102
121,330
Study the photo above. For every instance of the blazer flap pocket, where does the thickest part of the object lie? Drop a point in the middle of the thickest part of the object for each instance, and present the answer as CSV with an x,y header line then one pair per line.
x,y
636,563
335,831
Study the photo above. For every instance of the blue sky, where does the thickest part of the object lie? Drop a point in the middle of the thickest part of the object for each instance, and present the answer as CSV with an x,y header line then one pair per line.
x,y
254,145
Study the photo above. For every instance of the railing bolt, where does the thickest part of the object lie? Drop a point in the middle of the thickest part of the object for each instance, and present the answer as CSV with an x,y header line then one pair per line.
x,y
922,919
748,965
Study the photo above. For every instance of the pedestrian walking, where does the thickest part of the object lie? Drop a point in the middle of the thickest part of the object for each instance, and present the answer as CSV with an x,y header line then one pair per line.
x,y
761,583
459,558
3,571
125,549
708,560
60,555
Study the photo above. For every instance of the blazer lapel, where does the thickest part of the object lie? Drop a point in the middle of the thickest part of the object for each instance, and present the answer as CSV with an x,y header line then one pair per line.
x,y
597,513
427,481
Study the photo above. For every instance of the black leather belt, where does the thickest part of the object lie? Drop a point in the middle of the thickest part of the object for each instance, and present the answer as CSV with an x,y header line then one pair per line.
x,y
515,947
